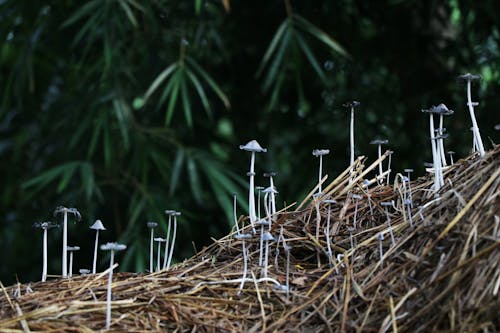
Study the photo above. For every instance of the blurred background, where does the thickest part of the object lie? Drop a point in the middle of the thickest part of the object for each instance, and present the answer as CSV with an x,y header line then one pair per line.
x,y
125,108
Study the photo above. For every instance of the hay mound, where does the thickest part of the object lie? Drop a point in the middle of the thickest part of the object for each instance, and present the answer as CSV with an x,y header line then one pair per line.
x,y
441,274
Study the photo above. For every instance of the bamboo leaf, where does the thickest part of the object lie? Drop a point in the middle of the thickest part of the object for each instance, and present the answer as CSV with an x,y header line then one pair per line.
x,y
89,7
319,34
176,171
276,64
210,82
200,90
194,180
88,181
122,122
125,6
274,43
159,79
173,97
185,103
309,55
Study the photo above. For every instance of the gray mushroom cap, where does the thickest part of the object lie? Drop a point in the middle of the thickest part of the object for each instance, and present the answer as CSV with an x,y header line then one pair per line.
x,y
113,247
267,236
320,152
270,190
97,225
45,225
152,225
253,146
263,222
176,213
469,77
351,104
159,239
357,196
387,203
428,165
74,211
270,174
243,236
379,142
330,201
84,271
408,170
380,236
442,109
169,211
497,127
450,152
72,248
259,188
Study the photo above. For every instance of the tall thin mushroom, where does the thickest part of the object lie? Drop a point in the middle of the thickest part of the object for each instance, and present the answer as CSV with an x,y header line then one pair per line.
x,y
96,226
379,143
71,250
45,226
158,254
112,247
78,217
174,234
436,162
152,226
253,147
320,153
165,257
351,106
271,175
475,129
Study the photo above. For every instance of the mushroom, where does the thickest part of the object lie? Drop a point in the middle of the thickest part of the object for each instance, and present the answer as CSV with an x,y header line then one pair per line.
x,y
96,226
158,254
408,174
78,217
112,247
45,226
271,174
329,202
475,129
379,143
84,271
242,237
165,257
174,214
389,152
380,237
356,197
72,249
234,213
259,189
386,204
253,147
152,226
266,237
451,153
436,161
319,153
351,106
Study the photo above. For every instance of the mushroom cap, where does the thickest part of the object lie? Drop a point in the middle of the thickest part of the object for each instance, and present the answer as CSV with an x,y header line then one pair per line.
x,y
441,136
176,213
408,170
469,77
320,152
450,152
267,236
379,142
45,225
263,222
380,236
405,179
387,203
287,248
249,173
407,202
159,239
152,225
74,211
269,190
73,248
84,271
330,201
259,188
442,109
253,146
428,165
97,225
270,174
243,236
169,212
351,104
357,196
497,127
113,247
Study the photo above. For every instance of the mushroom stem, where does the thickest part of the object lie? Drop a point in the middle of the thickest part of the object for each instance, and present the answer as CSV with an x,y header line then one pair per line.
x,y
475,128
108,293
158,257
94,263
251,194
320,172
70,263
245,268
266,257
389,169
327,235
380,171
151,251
273,201
165,256
441,140
381,250
173,243
65,245
435,160
234,213
390,227
352,136
44,269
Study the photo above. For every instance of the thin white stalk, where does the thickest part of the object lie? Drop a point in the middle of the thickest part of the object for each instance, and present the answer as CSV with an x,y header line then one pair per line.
x,y
475,128
389,169
158,257
173,243
268,214
151,251
94,263
65,245
258,206
44,269
244,266
390,227
287,281
381,251
380,171
108,294
235,218
441,141
251,193
165,256
352,136
273,201
320,172
435,160
71,264
266,259
327,235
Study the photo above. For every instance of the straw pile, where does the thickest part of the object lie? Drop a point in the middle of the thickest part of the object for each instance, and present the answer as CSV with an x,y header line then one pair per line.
x,y
442,273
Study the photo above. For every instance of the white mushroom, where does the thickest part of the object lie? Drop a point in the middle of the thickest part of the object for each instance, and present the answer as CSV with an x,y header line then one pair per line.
x,y
110,247
72,249
152,226
65,211
45,226
319,153
96,226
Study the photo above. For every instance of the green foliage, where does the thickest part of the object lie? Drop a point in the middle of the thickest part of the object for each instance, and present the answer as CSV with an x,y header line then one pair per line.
x,y
125,108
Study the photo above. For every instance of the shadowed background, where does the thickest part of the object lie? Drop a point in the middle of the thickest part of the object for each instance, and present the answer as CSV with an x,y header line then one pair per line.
x,y
123,108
